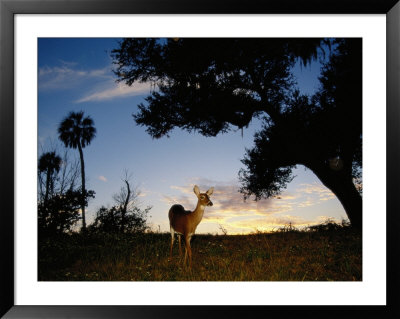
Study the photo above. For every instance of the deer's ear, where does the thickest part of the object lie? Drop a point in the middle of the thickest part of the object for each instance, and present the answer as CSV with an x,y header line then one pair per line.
x,y
196,190
210,191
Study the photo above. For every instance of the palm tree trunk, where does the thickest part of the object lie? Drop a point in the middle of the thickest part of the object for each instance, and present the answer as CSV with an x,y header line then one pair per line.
x,y
46,196
83,187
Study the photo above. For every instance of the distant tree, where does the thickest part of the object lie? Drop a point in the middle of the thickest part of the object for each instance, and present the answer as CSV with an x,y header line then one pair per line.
x,y
128,197
77,131
59,180
126,216
212,85
58,199
49,163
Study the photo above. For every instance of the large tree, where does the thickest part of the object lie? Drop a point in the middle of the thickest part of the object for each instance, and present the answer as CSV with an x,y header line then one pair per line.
x,y
213,85
77,131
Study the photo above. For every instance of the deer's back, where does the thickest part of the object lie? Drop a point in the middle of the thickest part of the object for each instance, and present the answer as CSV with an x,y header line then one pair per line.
x,y
178,210
177,217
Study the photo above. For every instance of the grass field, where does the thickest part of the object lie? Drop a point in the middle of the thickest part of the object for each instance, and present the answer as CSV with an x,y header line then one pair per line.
x,y
334,255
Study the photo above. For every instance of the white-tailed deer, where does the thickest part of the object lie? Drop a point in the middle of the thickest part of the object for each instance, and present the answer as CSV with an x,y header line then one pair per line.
x,y
184,222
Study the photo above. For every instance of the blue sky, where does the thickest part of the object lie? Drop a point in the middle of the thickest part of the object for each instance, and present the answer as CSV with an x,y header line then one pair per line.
x,y
76,74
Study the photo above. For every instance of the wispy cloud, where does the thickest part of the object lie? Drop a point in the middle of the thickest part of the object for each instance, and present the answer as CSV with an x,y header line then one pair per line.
x,y
102,178
66,77
99,84
68,63
116,90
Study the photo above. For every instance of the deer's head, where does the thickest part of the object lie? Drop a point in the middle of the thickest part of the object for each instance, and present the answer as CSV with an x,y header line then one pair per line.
x,y
204,198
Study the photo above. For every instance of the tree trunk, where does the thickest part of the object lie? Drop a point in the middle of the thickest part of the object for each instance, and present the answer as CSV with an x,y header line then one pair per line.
x,y
83,187
128,195
46,196
341,184
125,207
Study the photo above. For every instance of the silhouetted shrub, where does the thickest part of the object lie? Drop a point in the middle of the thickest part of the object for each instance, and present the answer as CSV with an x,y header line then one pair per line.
x,y
60,212
329,225
117,220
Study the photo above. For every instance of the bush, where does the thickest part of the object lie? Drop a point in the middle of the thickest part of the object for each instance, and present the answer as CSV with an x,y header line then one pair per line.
x,y
60,212
117,220
329,225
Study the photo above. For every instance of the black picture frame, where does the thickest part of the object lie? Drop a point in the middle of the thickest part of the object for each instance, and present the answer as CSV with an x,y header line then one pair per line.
x,y
9,8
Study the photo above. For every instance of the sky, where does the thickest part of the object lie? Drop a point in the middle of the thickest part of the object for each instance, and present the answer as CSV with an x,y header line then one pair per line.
x,y
75,74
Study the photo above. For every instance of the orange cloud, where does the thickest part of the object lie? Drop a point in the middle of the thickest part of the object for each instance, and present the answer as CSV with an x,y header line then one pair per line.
x,y
102,178
316,190
239,216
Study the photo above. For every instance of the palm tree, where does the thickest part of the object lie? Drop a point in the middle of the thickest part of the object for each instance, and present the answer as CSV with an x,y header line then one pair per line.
x,y
49,162
77,131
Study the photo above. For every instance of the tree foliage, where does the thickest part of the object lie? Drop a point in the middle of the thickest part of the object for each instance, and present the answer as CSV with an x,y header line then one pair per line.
x,y
116,220
60,212
206,85
76,130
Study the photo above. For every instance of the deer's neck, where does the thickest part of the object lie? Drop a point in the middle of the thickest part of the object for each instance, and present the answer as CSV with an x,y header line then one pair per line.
x,y
198,213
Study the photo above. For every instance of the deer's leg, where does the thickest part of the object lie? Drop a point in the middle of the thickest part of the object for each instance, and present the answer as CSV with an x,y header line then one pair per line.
x,y
184,261
188,250
179,242
172,241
